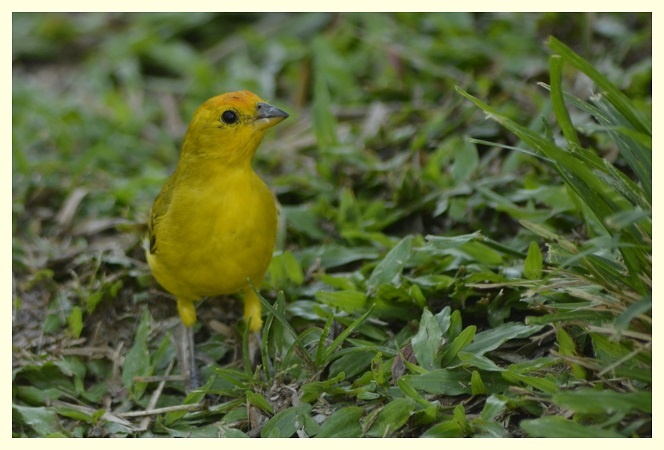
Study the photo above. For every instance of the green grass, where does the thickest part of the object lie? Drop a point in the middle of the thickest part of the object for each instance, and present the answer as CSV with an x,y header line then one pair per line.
x,y
437,274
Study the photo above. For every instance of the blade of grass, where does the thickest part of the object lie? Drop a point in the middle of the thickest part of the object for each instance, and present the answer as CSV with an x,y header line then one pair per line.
x,y
461,341
600,197
617,98
320,350
344,334
634,145
282,319
525,151
559,109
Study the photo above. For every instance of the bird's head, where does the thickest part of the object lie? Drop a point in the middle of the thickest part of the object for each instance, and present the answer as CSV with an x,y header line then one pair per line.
x,y
230,127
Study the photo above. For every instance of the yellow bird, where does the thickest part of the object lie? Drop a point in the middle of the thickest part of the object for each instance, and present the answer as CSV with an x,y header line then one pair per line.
x,y
213,225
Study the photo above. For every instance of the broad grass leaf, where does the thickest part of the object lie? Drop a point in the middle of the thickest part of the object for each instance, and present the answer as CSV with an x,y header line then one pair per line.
x,y
542,384
559,427
77,414
312,391
339,283
493,407
285,423
456,325
236,413
137,360
41,419
284,269
466,161
488,428
592,401
226,432
535,365
391,266
75,321
344,423
444,318
460,342
391,417
476,384
76,369
488,340
642,306
461,419
437,282
194,397
567,347
626,218
47,375
480,252
334,255
428,341
351,364
532,266
445,242
608,351
409,391
592,316
198,431
441,381
448,429
259,401
54,320
508,206
480,362
304,220
642,373
37,396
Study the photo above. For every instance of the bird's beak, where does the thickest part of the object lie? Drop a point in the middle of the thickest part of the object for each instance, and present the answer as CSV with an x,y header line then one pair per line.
x,y
268,116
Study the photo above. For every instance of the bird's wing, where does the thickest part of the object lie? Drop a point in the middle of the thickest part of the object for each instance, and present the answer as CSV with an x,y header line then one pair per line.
x,y
159,209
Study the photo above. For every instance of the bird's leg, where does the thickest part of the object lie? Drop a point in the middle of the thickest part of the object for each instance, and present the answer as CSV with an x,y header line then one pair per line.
x,y
194,376
252,310
252,316
187,358
187,354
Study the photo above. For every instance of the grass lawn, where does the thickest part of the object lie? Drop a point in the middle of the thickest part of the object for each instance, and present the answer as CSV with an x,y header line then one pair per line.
x,y
465,244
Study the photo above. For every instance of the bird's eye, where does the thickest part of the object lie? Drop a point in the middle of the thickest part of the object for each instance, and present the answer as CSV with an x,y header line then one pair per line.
x,y
229,117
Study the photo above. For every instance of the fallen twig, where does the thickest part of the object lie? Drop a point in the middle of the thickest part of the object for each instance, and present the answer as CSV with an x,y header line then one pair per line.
x,y
155,398
164,410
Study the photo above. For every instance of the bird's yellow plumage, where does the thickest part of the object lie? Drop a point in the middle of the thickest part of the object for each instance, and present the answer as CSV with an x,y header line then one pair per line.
x,y
214,223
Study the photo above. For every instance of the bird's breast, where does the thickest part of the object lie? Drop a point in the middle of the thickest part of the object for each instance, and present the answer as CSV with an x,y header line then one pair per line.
x,y
215,236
